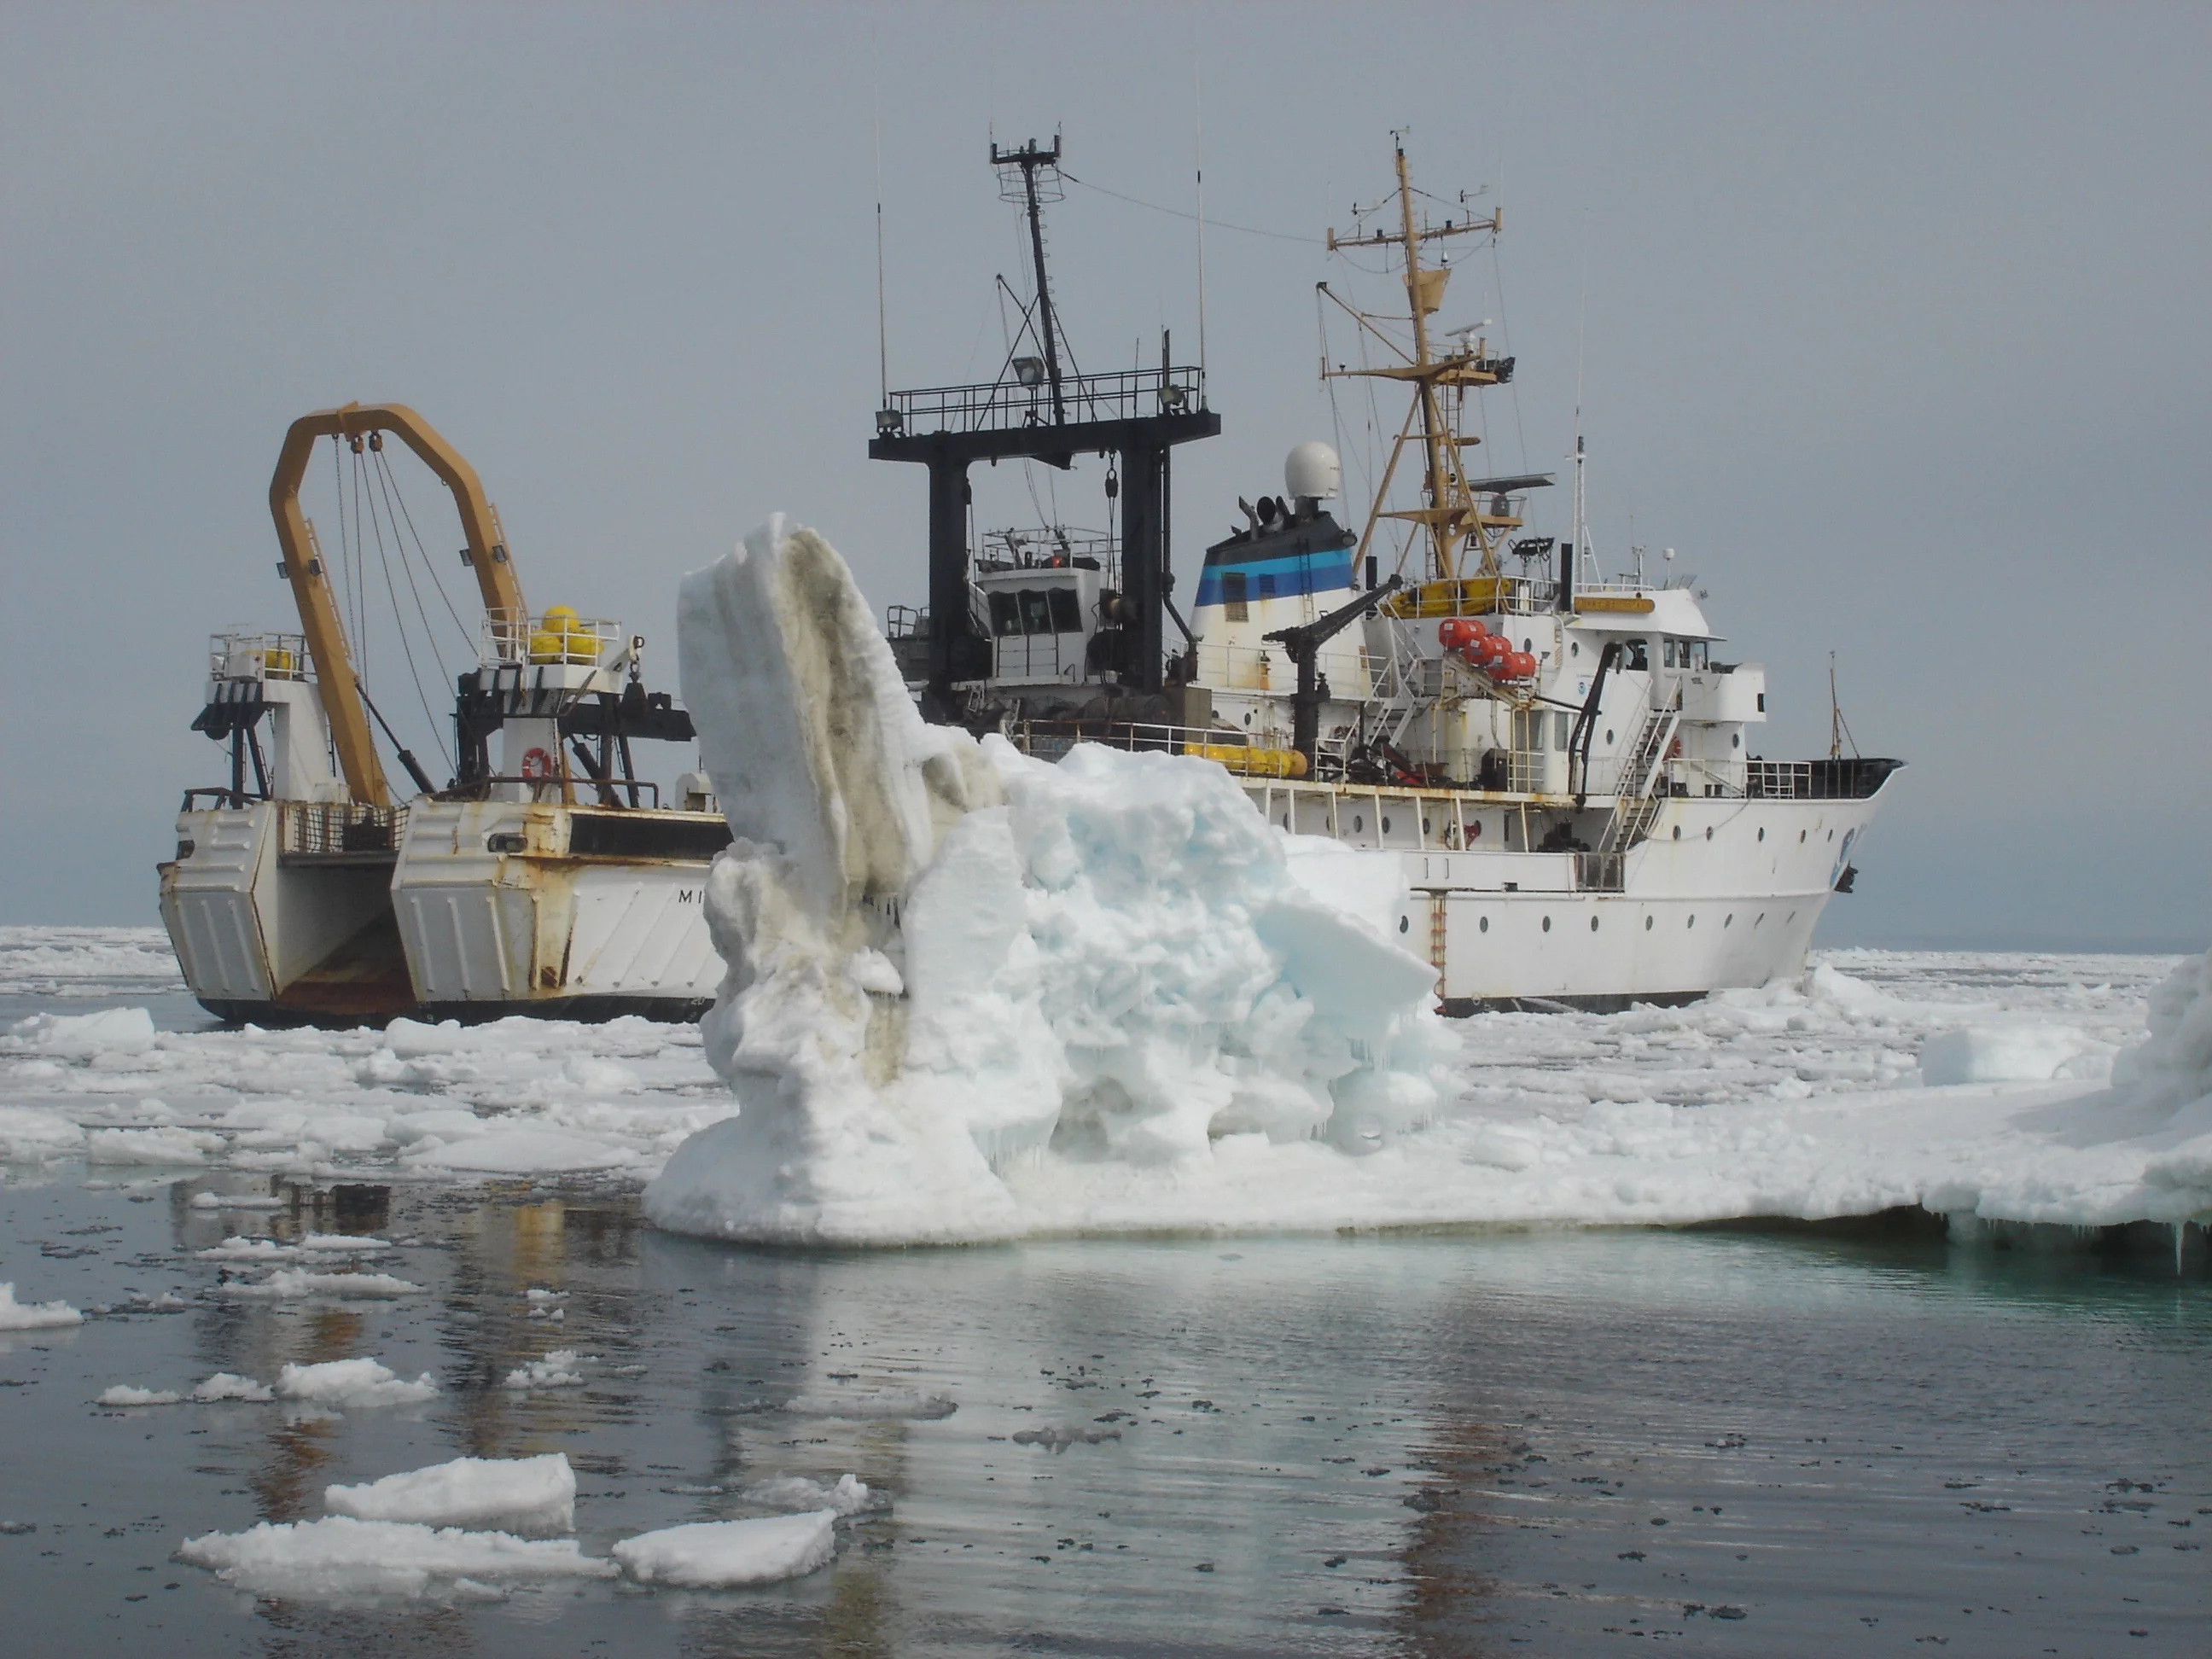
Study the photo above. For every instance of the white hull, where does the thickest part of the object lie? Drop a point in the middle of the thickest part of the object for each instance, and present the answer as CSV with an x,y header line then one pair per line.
x,y
474,909
1694,912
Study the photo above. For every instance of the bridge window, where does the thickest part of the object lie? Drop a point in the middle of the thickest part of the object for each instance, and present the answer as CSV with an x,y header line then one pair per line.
x,y
1232,596
1067,615
1005,614
1036,611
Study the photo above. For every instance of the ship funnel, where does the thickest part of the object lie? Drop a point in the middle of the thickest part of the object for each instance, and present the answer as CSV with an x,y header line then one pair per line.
x,y
1312,473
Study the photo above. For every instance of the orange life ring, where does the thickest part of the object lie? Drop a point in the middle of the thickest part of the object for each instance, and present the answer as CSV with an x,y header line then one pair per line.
x,y
537,764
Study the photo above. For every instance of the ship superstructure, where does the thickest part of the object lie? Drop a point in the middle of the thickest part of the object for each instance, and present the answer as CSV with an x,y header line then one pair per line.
x,y
1556,770
546,877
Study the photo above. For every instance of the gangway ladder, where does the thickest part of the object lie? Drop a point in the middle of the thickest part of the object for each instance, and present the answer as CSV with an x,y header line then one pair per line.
x,y
1437,921
1635,805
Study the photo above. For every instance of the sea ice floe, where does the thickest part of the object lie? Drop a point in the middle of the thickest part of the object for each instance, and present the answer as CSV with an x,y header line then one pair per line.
x,y
729,1554
849,1496
346,1383
861,1406
556,1371
340,1558
228,1385
33,1315
83,1036
1108,957
123,1394
536,1494
291,1284
183,1148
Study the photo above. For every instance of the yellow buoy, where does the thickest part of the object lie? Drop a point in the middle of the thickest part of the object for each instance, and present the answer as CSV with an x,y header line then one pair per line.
x,y
1251,763
550,642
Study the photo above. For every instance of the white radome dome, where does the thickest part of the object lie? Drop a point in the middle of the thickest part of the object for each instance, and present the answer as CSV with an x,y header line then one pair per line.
x,y
1313,472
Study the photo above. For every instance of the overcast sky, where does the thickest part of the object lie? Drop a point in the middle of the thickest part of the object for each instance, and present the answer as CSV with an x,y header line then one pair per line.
x,y
1891,322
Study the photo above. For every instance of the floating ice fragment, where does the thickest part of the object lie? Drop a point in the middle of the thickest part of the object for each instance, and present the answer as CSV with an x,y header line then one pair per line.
x,y
538,1493
340,1558
556,1371
350,1383
83,1036
290,1284
850,1496
228,1385
181,1148
124,1394
32,1316
725,1555
866,1408
2003,1053
523,1151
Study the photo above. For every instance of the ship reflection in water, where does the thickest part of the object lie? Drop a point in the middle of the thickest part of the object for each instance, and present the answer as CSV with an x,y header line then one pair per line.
x,y
1465,1444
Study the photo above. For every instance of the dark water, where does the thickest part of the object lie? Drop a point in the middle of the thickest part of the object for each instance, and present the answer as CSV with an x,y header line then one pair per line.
x,y
1548,1444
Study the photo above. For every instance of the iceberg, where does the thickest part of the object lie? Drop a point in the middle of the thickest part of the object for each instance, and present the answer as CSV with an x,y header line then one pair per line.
x,y
951,965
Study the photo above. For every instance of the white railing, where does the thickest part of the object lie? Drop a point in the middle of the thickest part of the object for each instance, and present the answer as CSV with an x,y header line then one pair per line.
x,y
263,656
556,636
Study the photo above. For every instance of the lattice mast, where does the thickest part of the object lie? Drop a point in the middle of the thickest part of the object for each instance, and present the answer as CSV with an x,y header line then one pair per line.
x,y
1450,512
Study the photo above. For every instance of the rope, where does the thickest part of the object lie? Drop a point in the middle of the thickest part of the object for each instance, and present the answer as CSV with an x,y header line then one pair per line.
x,y
384,484
1217,224
428,563
399,617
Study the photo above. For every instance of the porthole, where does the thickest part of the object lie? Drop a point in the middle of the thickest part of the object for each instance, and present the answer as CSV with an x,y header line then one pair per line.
x,y
1386,826
1793,915
1358,823
1762,832
1424,826
1548,924
1528,646
1801,837
1831,835
1693,922
1482,925
1593,924
1760,917
1735,739
1574,647
1678,832
1709,832
1247,717
1404,922
1729,921
1647,924
1609,735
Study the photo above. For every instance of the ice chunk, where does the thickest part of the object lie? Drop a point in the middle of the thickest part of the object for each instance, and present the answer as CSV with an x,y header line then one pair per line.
x,y
33,1315
725,1555
351,1382
556,1371
524,1151
929,992
340,1558
2172,1065
124,1394
30,1135
228,1385
2003,1054
850,1496
871,1405
183,1148
536,1493
83,1036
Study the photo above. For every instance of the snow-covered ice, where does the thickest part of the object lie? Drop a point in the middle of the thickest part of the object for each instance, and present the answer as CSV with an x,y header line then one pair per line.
x,y
33,1315
727,1554
537,1493
556,1371
352,1382
123,1394
868,1405
340,1558
849,1496
1108,957
291,1284
228,1385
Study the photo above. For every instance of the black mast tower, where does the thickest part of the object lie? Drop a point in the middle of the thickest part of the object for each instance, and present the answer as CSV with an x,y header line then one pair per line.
x,y
1034,410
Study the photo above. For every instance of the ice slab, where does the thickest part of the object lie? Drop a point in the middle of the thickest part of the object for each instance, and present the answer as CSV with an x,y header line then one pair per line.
x,y
729,1554
340,1558
33,1315
351,1382
538,1493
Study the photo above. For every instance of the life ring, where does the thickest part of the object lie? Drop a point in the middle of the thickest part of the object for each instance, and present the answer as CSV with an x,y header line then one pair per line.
x,y
537,764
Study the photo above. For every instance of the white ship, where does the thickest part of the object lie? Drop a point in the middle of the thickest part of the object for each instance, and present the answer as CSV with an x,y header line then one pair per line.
x,y
1556,776
551,881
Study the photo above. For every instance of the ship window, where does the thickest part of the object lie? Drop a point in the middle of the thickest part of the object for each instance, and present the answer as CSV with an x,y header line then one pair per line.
x,y
1638,656
1404,923
1668,654
1574,647
1067,615
1036,611
1232,596
1762,832
1006,615
1693,922
1647,924
1762,703
1701,654
1678,832
1735,739
1424,826
1482,925
1386,826
1267,587
1593,924
1729,921
1709,832
1801,837
1548,924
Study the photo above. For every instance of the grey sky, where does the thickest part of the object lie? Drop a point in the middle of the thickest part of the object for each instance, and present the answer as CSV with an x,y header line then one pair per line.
x,y
1895,329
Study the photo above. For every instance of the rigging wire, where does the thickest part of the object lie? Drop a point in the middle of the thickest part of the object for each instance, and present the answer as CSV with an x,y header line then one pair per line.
x,y
399,617
389,486
1178,213
428,563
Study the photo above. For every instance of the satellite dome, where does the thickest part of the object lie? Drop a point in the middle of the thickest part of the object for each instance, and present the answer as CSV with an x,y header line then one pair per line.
x,y
1312,472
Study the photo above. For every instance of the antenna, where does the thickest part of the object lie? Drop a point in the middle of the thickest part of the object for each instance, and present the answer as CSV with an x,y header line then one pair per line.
x,y
1198,168
1587,566
1027,162
883,343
